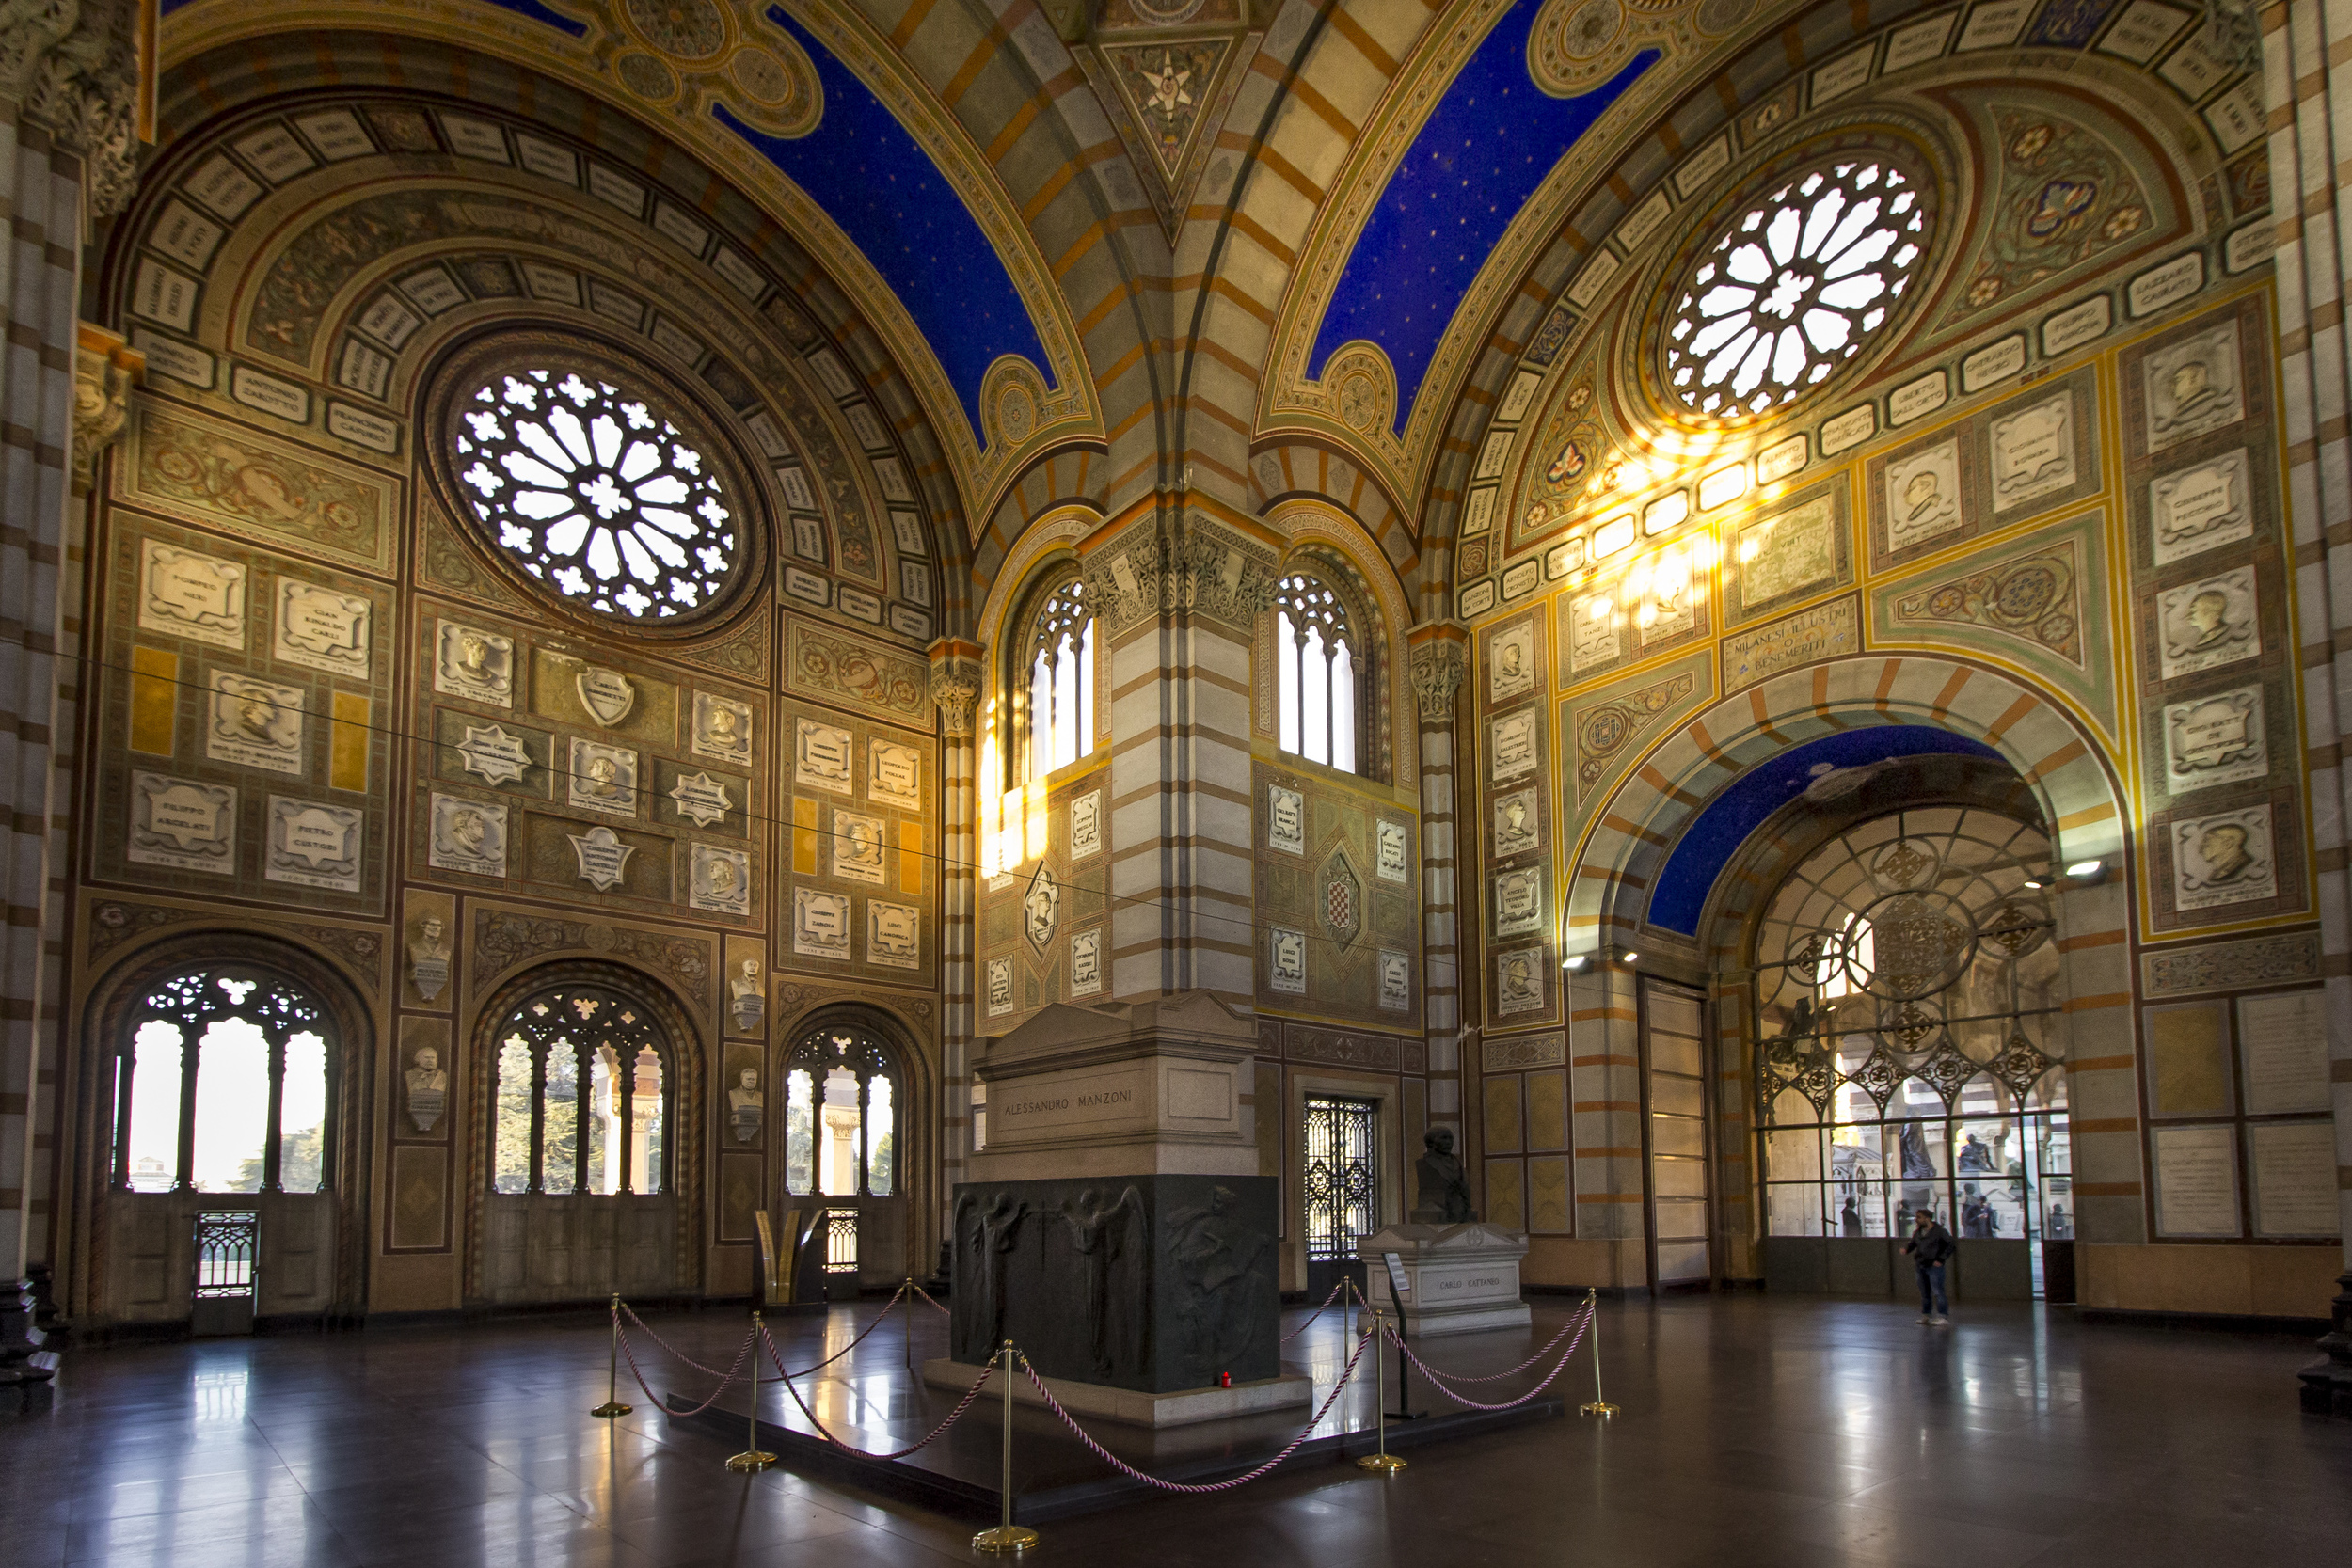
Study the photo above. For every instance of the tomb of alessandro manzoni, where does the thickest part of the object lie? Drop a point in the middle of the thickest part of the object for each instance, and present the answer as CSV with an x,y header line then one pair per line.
x,y
1225,783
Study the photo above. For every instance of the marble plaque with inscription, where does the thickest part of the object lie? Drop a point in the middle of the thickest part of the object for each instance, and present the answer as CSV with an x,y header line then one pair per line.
x,y
321,629
820,923
468,835
2227,858
2215,740
2292,1165
701,798
1085,825
893,775
1389,847
820,757
493,754
1788,553
893,935
1592,630
1396,981
607,696
2033,451
601,857
1511,750
182,824
2193,385
312,844
999,987
253,724
475,664
197,597
1824,631
2282,1040
1511,661
2208,623
2198,508
1518,898
719,880
1086,963
1285,820
1519,823
2196,1182
1923,496
1286,959
1519,982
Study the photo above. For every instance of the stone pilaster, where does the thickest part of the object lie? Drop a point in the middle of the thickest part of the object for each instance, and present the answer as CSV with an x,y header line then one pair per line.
x,y
2304,44
1177,592
1438,656
955,685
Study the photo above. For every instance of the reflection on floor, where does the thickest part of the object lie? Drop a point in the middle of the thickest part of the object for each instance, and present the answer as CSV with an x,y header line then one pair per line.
x,y
1757,1431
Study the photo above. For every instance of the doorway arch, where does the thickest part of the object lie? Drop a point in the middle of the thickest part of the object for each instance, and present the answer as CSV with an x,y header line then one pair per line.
x,y
858,1048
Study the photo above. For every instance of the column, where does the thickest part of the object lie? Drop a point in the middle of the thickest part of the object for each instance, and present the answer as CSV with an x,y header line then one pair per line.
x,y
956,692
1439,654
70,123
2304,43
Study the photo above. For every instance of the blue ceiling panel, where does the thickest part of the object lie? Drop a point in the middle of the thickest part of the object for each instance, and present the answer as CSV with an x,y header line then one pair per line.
x,y
1715,834
1489,143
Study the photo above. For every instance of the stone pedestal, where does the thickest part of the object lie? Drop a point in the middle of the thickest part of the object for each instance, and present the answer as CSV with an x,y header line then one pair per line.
x,y
2328,1381
1464,1279
1116,1227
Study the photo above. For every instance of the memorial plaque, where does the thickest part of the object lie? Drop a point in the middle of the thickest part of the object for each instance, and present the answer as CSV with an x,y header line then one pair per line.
x,y
999,987
719,880
1396,981
2033,451
1286,955
468,835
2292,1165
1391,846
2215,740
723,729
893,934
314,846
820,923
1790,551
1923,496
321,629
2077,325
606,694
603,778
2193,385
820,757
1592,630
2200,508
2282,1039
857,847
494,756
182,824
2208,623
701,798
1085,825
1511,749
1286,820
1518,899
1511,661
1519,982
893,775
475,664
2228,858
2196,1182
1086,963
187,595
603,859
1519,823
252,723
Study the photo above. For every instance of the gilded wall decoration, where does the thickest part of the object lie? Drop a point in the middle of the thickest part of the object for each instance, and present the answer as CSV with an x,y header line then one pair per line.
x,y
842,669
862,861
1828,630
2065,197
2035,596
2268,960
1335,930
1605,730
1037,913
210,472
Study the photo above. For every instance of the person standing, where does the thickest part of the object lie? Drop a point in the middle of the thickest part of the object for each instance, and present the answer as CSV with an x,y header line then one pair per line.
x,y
1931,1247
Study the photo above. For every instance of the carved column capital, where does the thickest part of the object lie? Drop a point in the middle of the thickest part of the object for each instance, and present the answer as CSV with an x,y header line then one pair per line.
x,y
1437,664
81,68
104,371
956,684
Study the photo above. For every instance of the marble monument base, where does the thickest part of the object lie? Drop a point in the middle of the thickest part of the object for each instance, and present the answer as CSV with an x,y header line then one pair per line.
x,y
1131,1406
1463,1278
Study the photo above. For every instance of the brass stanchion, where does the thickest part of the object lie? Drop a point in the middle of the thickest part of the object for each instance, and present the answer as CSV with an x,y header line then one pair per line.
x,y
753,1457
612,1405
906,1294
1384,1462
1007,1538
1599,1407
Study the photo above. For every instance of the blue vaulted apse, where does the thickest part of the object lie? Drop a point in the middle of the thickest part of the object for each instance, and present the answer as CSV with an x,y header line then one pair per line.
x,y
1725,823
875,181
1492,139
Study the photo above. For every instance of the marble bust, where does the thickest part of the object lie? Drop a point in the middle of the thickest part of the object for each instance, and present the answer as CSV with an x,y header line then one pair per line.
x,y
744,998
429,1089
1443,1195
747,1107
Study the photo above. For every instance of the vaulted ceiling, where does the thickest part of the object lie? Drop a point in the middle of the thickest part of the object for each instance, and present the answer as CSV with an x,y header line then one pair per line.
x,y
1107,248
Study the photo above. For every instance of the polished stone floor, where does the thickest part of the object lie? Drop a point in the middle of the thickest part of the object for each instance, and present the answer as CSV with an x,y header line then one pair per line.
x,y
1757,1432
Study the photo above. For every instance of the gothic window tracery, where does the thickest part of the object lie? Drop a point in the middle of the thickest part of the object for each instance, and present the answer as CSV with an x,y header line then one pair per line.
x,y
1056,680
1317,668
222,1086
579,1099
841,1115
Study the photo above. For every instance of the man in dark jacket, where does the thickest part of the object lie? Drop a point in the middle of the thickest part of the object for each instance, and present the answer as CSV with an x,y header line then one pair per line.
x,y
1931,1247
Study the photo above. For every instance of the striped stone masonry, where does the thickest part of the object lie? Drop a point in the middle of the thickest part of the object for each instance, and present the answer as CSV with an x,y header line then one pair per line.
x,y
1437,657
956,685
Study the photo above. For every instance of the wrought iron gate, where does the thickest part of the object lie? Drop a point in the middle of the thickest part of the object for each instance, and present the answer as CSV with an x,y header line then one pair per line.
x,y
1341,1178
228,1255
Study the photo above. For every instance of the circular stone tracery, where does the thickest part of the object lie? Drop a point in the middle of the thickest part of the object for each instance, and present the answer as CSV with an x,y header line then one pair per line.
x,y
593,492
1796,284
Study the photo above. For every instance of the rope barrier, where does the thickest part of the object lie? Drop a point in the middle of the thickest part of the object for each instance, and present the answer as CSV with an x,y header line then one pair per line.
x,y
1497,1377
1344,1284
1439,1383
637,1373
953,1416
926,1296
674,1353
1132,1473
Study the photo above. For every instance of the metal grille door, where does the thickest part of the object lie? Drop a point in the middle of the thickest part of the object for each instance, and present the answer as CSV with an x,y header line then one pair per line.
x,y
1677,1102
227,1249
1341,1178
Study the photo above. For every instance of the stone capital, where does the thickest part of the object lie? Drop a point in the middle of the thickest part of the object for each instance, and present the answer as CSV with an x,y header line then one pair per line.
x,y
1181,563
104,371
956,672
1439,659
84,68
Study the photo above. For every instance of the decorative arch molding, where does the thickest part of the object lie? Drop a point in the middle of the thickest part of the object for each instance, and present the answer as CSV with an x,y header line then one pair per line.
x,y
2073,781
690,1046
802,1011
581,54
1315,470
1059,531
115,993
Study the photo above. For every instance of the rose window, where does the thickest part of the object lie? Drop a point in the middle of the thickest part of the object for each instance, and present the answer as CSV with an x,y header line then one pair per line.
x,y
595,492
1795,285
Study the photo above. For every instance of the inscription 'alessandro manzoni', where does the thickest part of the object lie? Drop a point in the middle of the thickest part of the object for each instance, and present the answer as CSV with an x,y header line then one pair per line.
x,y
1063,1103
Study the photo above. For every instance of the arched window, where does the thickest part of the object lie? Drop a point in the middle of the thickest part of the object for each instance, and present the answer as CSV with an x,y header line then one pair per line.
x,y
222,1086
1057,682
580,1096
841,1116
1318,660
1907,985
